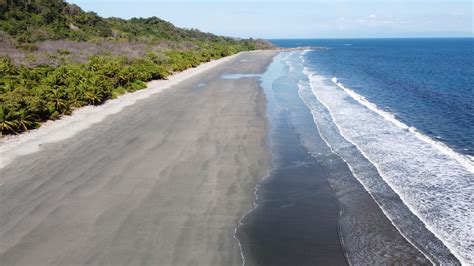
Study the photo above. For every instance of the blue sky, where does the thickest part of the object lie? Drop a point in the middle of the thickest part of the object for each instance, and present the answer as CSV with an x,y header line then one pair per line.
x,y
303,19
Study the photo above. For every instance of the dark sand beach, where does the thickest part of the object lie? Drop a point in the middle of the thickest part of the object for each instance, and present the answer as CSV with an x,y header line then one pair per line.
x,y
167,180
163,182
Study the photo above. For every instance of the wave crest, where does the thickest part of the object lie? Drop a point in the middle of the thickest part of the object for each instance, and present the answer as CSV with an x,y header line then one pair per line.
x,y
433,181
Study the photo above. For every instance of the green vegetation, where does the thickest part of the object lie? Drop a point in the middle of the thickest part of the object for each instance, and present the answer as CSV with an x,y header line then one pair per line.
x,y
31,94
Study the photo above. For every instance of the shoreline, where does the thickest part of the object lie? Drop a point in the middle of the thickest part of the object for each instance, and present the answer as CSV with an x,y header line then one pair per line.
x,y
294,220
364,232
13,146
232,155
181,165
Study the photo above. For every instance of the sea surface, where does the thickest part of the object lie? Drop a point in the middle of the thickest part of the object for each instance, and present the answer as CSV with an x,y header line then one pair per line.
x,y
400,113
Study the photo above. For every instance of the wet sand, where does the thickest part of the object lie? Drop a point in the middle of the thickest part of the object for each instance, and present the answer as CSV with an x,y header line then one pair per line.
x,y
295,221
311,210
163,182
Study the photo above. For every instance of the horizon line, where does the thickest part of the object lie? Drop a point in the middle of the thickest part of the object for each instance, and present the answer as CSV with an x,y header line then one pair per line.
x,y
346,38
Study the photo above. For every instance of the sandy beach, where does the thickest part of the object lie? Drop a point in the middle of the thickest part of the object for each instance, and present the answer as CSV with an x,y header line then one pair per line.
x,y
13,146
219,165
162,181
230,133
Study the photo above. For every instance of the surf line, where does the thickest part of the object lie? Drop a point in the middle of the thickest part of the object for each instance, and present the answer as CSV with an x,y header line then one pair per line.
x,y
380,172
443,148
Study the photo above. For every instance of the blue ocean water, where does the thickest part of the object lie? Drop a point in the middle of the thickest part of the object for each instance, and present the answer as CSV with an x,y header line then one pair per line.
x,y
425,83
405,106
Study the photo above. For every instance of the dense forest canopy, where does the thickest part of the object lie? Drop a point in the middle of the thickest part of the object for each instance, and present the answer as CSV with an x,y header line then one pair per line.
x,y
55,57
39,20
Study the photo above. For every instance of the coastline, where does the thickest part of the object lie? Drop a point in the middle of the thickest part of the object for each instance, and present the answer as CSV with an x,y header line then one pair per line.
x,y
295,216
13,146
311,187
165,180
188,165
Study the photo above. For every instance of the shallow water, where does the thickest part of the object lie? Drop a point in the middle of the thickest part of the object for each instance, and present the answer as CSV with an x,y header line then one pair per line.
x,y
200,85
381,116
297,220
239,76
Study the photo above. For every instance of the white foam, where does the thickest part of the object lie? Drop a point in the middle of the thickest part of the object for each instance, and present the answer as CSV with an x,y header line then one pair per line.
x,y
466,160
433,182
302,55
12,147
304,52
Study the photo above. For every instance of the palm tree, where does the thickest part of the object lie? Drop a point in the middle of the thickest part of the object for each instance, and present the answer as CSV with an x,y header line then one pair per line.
x,y
75,99
59,103
92,97
24,122
6,125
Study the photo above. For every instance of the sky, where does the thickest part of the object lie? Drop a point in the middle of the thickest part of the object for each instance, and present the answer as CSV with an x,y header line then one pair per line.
x,y
302,19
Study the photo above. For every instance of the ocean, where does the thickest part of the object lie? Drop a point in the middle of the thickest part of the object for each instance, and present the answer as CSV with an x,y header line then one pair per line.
x,y
400,113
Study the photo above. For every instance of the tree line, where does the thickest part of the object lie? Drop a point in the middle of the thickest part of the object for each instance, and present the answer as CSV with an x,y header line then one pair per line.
x,y
31,95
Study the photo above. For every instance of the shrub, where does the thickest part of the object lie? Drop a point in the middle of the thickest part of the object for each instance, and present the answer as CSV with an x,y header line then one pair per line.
x,y
52,31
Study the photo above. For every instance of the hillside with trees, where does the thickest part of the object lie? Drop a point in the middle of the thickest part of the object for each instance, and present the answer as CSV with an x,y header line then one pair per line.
x,y
55,57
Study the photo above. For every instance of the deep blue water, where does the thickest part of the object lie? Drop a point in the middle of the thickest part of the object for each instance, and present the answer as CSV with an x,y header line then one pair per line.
x,y
401,109
426,83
